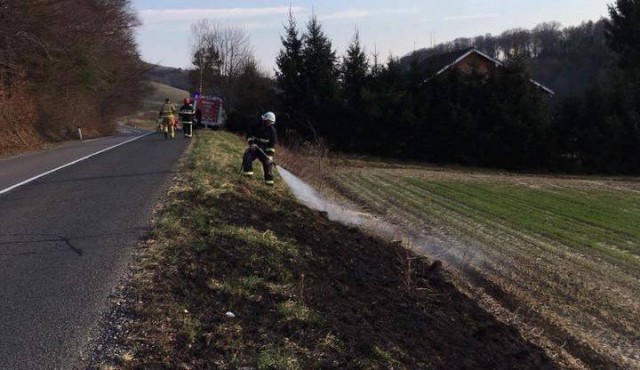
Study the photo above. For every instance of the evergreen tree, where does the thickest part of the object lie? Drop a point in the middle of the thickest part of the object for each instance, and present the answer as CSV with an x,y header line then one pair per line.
x,y
623,31
517,119
389,106
290,79
256,90
354,73
206,61
622,125
355,68
320,82
449,120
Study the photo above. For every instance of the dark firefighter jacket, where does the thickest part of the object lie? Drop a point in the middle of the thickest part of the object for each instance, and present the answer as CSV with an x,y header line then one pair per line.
x,y
264,136
186,113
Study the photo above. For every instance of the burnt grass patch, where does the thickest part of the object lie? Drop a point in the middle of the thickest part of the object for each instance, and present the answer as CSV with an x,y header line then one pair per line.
x,y
238,275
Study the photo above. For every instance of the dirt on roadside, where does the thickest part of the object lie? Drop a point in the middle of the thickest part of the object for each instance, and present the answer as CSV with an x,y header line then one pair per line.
x,y
239,275
522,275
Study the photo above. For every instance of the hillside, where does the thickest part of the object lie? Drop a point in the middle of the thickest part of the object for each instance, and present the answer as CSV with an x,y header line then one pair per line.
x,y
16,139
55,78
239,275
175,77
159,92
155,94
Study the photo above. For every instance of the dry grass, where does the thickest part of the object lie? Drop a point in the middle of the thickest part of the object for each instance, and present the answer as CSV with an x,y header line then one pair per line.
x,y
558,256
304,292
18,118
159,92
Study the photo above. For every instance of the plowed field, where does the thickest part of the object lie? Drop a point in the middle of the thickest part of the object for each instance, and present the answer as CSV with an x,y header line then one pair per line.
x,y
559,256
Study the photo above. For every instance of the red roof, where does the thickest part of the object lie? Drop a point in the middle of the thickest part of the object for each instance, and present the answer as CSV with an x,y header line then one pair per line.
x,y
463,54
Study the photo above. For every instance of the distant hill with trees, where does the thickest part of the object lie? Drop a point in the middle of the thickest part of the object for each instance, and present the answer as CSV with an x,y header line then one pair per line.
x,y
176,77
397,109
565,59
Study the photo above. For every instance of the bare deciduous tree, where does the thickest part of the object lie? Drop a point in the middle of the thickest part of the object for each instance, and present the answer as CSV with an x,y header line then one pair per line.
x,y
229,44
77,58
221,54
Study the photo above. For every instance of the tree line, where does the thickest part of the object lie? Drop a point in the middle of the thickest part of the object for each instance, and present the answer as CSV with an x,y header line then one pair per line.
x,y
359,104
66,64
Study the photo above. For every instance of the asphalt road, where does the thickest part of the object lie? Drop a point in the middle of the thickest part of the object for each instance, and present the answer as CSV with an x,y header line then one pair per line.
x,y
67,237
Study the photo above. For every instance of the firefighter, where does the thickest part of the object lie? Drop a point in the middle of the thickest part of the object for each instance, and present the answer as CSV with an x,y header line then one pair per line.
x,y
262,142
167,113
186,117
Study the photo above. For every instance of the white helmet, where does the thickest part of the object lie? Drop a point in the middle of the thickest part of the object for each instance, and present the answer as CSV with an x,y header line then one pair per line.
x,y
269,116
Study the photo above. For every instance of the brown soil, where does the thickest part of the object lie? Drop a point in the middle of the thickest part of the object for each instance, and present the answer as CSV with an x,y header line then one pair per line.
x,y
532,316
358,285
14,140
19,140
374,305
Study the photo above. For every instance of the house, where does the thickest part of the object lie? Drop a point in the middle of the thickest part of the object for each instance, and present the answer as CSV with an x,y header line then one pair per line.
x,y
470,60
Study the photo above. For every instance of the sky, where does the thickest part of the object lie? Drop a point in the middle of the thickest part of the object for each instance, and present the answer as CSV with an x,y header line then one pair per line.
x,y
389,27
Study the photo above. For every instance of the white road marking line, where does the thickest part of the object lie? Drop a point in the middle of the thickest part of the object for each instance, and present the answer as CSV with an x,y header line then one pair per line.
x,y
71,163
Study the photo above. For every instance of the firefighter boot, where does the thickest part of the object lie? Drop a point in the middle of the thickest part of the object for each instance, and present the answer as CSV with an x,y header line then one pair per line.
x,y
247,163
268,168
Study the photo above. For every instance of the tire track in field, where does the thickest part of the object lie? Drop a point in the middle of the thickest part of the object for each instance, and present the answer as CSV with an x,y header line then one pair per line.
x,y
508,277
610,222
477,205
510,232
493,254
417,215
552,247
636,310
521,277
497,275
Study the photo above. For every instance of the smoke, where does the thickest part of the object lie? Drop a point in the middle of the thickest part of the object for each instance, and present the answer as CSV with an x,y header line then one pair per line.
x,y
454,252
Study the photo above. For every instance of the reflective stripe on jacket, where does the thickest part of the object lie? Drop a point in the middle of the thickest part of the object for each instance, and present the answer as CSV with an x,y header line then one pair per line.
x,y
167,110
186,113
264,136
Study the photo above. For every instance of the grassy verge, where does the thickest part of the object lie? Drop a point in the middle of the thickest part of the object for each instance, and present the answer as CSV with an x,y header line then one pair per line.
x,y
562,254
146,117
239,275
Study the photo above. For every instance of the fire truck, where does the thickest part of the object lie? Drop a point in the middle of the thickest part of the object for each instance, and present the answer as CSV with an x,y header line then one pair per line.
x,y
209,111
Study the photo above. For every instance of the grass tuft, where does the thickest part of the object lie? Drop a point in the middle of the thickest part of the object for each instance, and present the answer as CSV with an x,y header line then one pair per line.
x,y
275,359
238,274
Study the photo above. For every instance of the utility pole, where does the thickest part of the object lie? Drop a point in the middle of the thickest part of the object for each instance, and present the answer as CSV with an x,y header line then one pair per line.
x,y
201,72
